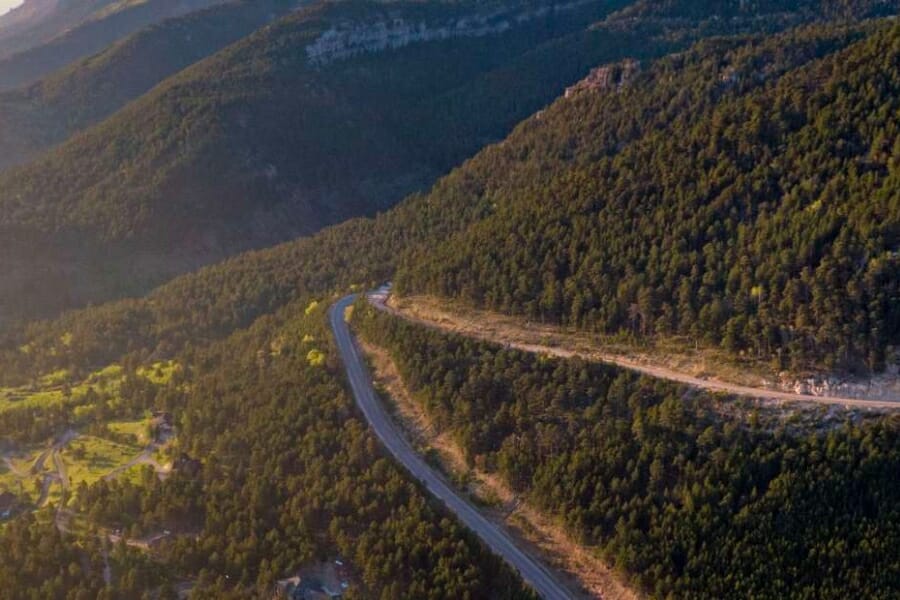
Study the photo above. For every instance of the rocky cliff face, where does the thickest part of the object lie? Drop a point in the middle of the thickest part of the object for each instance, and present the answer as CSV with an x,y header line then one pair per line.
x,y
351,38
607,77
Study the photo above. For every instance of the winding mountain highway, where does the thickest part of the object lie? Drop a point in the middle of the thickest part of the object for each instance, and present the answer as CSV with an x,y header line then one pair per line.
x,y
531,570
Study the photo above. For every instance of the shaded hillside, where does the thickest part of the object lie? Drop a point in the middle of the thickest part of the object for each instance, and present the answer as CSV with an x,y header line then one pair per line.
x,y
258,144
733,10
46,113
269,139
738,195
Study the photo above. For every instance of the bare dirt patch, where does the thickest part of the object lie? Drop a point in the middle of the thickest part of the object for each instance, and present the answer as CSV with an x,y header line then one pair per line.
x,y
702,369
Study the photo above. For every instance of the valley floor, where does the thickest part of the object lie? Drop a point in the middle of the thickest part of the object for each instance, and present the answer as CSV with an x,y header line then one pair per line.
x,y
557,341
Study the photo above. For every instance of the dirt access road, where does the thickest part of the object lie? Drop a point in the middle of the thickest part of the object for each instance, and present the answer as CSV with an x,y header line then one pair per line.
x,y
455,323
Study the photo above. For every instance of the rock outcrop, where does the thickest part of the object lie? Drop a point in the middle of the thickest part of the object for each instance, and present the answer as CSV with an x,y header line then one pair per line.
x,y
353,38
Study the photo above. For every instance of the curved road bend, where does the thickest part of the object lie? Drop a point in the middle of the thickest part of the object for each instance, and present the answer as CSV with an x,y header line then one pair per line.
x,y
532,571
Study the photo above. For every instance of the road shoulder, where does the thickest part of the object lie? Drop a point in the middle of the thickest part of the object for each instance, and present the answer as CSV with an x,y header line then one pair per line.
x,y
581,566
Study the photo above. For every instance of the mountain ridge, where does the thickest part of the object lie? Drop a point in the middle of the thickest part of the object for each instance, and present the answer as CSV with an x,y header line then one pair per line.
x,y
283,133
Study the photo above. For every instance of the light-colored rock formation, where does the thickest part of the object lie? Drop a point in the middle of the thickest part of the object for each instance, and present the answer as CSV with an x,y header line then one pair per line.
x,y
353,38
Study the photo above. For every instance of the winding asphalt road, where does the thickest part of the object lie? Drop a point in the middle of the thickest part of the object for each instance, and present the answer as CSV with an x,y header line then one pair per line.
x,y
532,571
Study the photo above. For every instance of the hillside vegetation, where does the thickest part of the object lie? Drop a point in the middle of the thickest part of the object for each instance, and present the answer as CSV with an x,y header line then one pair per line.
x,y
275,471
265,140
687,501
231,295
257,144
743,195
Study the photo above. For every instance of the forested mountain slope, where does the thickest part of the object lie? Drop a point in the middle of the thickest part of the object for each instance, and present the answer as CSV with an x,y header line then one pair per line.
x,y
101,29
688,494
279,473
263,142
742,195
727,10
232,294
48,112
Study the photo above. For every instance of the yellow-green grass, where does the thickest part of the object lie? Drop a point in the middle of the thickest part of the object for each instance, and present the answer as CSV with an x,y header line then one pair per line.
x,y
160,372
20,480
11,482
24,461
54,497
100,458
52,391
55,378
134,474
109,373
17,398
139,429
56,389
160,456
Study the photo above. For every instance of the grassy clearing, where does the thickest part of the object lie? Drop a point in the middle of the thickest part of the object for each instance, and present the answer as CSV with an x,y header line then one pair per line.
x,y
53,390
160,372
87,458
57,389
17,398
10,482
139,429
134,474
90,458
19,473
55,378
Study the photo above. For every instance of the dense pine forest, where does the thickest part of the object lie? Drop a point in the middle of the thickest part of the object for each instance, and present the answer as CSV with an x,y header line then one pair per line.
x,y
741,194
691,501
217,300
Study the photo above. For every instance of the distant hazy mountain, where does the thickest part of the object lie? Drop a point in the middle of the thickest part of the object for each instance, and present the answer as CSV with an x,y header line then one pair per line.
x,y
36,22
34,118
81,38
